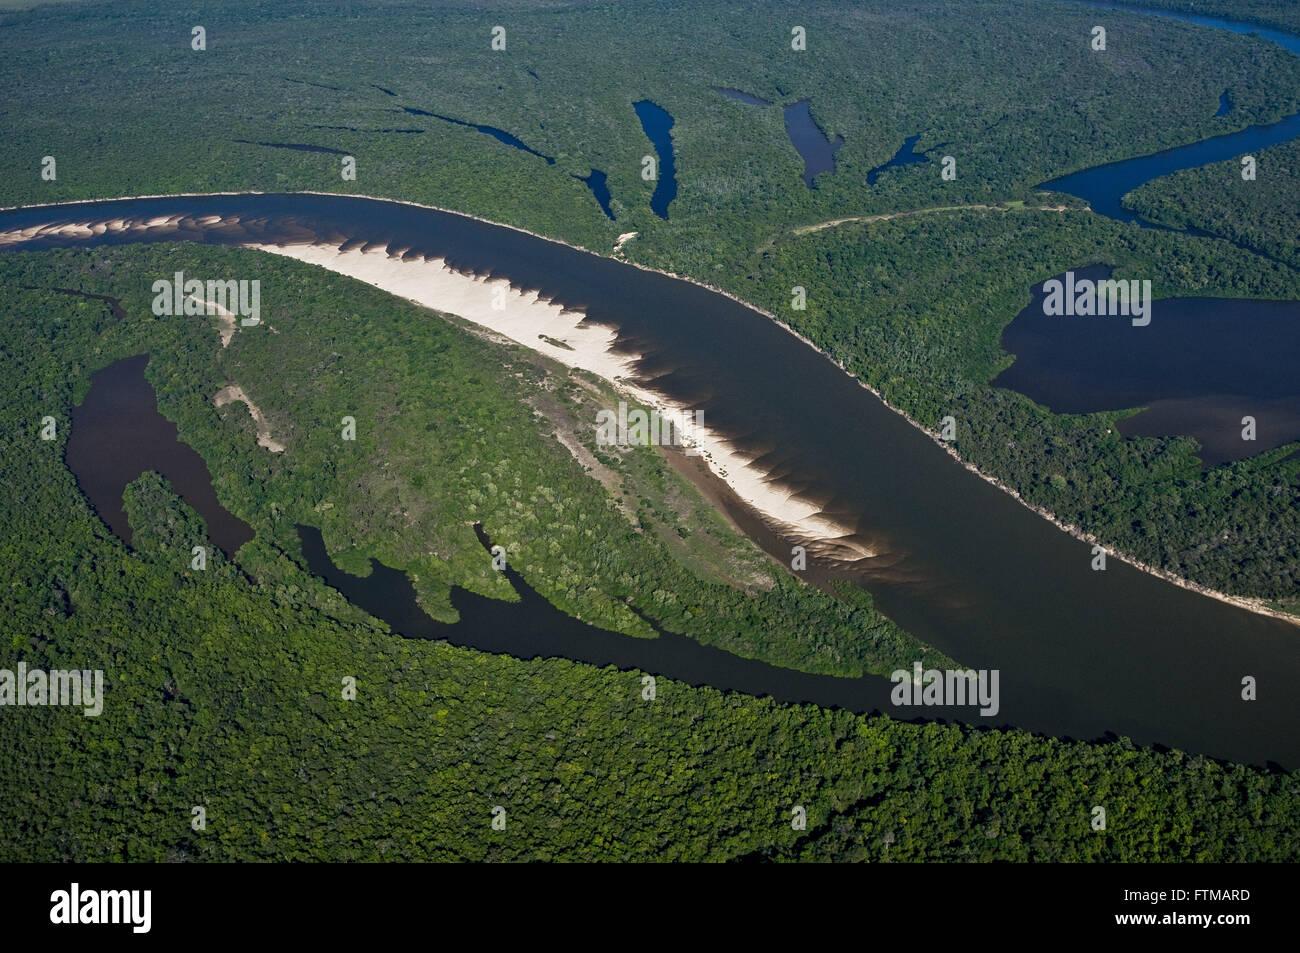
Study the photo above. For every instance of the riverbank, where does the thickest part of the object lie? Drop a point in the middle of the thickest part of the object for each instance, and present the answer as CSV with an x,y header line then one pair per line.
x,y
565,336
801,519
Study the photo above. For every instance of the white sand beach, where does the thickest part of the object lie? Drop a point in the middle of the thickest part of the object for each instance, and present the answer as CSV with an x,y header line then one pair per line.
x,y
529,320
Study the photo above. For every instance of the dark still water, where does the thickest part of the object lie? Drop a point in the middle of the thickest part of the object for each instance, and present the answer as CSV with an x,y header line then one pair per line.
x,y
658,124
957,562
533,628
596,182
1104,186
500,135
1200,366
118,434
749,99
906,155
296,146
817,150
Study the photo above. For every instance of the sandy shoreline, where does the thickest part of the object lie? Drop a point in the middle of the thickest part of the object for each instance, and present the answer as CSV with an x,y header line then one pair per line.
x,y
536,323
1250,605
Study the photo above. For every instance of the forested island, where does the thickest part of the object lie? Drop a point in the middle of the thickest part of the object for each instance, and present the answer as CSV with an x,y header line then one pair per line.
x,y
226,686
226,681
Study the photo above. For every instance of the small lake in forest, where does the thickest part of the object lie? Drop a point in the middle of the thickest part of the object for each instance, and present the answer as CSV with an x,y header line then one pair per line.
x,y
813,145
658,124
906,155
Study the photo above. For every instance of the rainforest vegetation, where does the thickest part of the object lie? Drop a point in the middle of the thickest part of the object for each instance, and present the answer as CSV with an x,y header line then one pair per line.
x,y
450,431
875,74
224,686
1262,214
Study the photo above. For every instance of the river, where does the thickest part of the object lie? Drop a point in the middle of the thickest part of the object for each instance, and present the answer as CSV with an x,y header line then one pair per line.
x,y
957,561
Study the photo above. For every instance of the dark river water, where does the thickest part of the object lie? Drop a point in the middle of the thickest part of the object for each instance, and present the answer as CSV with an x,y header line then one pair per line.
x,y
1104,186
1199,367
958,562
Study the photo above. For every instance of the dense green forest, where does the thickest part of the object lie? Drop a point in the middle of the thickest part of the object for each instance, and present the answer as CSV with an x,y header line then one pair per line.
x,y
450,430
1262,214
225,687
876,72
1280,14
